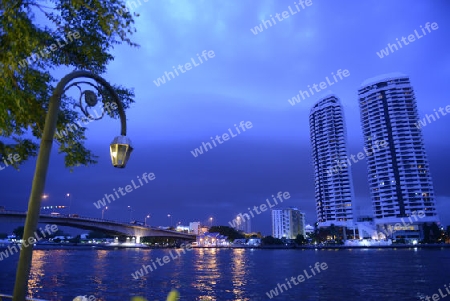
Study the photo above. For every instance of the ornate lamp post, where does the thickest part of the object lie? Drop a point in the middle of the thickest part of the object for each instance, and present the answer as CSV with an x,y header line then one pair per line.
x,y
120,150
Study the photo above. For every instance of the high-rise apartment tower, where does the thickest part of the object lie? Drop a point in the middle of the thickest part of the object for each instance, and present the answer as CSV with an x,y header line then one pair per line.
x,y
399,174
332,174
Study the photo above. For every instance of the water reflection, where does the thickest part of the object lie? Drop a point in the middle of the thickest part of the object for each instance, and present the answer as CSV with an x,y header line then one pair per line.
x,y
238,273
100,269
206,267
231,274
37,272
143,257
38,279
180,264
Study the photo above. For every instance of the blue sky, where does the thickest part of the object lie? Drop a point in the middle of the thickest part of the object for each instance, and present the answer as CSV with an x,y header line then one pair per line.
x,y
250,78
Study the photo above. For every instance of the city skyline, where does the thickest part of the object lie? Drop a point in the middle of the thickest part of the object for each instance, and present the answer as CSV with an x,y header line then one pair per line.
x,y
251,80
338,168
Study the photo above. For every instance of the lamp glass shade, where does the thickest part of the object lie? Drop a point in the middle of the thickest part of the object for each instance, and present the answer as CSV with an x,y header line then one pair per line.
x,y
120,150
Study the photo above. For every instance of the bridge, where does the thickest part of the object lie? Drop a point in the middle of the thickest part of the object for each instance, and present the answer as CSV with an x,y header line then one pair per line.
x,y
97,224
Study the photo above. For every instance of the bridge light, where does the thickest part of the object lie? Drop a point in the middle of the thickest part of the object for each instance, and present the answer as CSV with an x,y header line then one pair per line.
x,y
120,150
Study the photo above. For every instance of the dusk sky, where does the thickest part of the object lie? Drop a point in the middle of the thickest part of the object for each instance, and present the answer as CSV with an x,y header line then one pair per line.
x,y
250,77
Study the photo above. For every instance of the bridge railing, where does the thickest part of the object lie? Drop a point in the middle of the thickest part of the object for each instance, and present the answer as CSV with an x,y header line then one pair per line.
x,y
86,218
13,211
71,217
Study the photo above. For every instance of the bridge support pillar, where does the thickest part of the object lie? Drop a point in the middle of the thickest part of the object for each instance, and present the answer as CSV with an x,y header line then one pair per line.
x,y
138,239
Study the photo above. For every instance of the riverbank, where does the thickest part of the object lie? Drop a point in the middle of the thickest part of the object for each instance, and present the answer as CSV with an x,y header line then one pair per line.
x,y
282,247
107,246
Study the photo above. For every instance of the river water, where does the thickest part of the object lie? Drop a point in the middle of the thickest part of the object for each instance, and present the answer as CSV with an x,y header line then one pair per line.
x,y
234,274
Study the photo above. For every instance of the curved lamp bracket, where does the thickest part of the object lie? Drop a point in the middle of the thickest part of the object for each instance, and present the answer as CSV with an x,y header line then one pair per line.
x,y
120,148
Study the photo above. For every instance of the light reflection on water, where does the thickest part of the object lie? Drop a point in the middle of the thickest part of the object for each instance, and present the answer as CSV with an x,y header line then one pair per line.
x,y
37,272
239,273
233,274
39,280
208,273
100,269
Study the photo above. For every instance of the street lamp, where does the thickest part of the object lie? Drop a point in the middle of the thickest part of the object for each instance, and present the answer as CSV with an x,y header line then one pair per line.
x,y
145,219
210,221
70,201
131,213
120,150
106,208
170,217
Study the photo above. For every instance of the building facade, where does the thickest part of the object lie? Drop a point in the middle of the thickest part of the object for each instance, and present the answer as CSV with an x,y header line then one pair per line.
x,y
399,174
288,223
332,174
194,227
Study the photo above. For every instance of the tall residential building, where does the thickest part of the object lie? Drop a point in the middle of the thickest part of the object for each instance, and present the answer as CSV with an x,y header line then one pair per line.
x,y
332,175
288,223
399,175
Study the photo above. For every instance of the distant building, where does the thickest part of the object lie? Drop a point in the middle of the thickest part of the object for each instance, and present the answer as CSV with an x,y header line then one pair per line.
x,y
332,174
67,237
203,229
240,241
399,173
309,230
288,223
256,242
367,228
212,240
182,228
194,227
243,223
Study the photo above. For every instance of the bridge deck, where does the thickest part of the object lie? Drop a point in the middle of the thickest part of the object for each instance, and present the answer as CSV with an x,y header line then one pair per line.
x,y
97,224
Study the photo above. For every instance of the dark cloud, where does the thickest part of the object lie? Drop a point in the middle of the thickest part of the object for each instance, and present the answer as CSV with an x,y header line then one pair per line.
x,y
250,78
